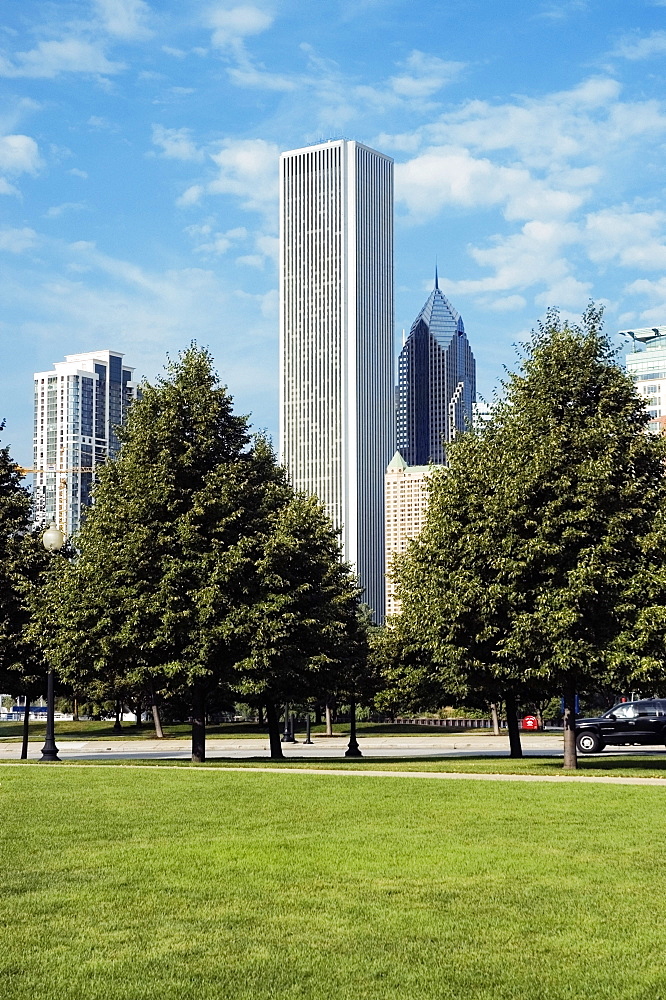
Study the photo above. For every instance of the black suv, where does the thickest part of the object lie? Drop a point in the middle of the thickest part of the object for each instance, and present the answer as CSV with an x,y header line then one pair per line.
x,y
625,724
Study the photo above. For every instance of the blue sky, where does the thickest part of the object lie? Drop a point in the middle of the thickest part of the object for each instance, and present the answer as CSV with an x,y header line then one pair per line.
x,y
138,170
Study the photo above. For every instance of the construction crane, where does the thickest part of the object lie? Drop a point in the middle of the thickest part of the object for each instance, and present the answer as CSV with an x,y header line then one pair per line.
x,y
62,488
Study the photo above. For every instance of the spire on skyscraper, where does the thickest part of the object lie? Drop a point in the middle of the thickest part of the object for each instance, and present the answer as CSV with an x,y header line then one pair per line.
x,y
436,382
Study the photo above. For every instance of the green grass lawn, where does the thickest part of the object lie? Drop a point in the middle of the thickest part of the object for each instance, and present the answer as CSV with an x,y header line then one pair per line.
x,y
625,766
13,731
128,884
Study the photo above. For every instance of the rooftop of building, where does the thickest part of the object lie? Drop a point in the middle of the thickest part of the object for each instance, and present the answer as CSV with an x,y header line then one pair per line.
x,y
398,464
648,335
441,318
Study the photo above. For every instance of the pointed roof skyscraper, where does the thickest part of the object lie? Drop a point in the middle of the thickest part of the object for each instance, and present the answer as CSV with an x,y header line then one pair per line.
x,y
436,382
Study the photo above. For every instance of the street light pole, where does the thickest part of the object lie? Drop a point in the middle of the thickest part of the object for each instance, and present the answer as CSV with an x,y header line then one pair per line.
x,y
53,540
50,750
353,749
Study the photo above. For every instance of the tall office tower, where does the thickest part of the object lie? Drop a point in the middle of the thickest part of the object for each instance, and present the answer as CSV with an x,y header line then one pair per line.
x,y
647,364
77,407
406,506
436,382
336,340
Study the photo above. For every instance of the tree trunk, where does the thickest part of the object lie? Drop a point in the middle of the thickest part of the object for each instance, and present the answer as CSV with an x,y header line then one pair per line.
x,y
570,753
199,724
117,726
495,717
317,712
157,722
329,720
515,748
260,715
273,720
26,729
75,709
138,714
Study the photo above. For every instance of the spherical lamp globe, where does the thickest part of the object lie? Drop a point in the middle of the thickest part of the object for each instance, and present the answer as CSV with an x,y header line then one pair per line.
x,y
53,539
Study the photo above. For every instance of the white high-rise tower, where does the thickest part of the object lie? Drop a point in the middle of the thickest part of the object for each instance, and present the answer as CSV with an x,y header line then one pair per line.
x,y
336,340
77,407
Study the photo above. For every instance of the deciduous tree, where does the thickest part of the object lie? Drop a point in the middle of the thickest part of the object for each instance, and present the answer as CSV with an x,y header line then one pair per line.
x,y
542,532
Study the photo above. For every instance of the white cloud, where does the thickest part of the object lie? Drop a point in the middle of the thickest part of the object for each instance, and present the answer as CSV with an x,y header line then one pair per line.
x,y
72,55
191,196
7,188
635,239
636,47
56,211
451,176
269,247
507,303
251,260
19,154
256,78
176,143
566,292
17,240
248,170
125,19
561,10
215,244
75,172
231,25
424,75
546,133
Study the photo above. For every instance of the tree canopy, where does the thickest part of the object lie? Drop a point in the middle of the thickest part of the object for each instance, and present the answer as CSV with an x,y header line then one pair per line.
x,y
199,572
543,534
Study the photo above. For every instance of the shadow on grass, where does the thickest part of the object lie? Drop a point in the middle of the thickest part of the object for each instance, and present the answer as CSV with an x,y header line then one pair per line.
x,y
92,730
636,766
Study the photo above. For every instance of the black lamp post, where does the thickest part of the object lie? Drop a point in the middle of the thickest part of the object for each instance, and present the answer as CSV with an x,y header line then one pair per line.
x,y
53,540
353,749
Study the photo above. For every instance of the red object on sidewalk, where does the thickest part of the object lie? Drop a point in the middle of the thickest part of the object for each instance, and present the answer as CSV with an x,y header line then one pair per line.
x,y
530,722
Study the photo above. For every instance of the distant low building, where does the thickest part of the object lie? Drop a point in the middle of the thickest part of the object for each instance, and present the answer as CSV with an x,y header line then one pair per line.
x,y
405,506
647,366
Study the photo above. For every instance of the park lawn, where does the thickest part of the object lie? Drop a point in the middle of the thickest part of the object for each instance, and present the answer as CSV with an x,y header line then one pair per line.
x,y
624,766
91,730
131,884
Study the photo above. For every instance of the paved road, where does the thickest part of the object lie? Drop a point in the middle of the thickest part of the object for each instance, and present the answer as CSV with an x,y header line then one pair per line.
x,y
464,746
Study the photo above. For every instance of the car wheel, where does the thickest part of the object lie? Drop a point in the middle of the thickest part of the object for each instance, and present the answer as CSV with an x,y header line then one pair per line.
x,y
589,742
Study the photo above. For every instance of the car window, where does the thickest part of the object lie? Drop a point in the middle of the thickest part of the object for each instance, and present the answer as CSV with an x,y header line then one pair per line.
x,y
626,711
647,708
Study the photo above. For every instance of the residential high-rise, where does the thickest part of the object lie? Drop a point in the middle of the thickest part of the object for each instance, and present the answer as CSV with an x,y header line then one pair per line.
x,y
406,505
77,407
647,364
436,382
336,340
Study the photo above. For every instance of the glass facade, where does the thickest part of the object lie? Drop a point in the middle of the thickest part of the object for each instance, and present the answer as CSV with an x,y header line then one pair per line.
x,y
436,383
647,365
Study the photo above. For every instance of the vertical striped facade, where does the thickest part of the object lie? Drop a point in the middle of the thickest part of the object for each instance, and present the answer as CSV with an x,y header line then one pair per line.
x,y
336,340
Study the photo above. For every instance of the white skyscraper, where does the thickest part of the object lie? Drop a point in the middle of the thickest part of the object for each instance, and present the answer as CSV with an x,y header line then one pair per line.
x,y
77,406
336,340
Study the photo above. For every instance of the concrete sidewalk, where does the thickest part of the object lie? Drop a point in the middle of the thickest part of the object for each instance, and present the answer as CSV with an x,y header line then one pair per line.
x,y
461,745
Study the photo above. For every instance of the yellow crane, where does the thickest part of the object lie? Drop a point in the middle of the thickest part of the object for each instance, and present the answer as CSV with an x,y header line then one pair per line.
x,y
61,521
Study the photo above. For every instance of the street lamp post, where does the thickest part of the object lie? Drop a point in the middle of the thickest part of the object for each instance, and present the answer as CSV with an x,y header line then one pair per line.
x,y
53,540
353,749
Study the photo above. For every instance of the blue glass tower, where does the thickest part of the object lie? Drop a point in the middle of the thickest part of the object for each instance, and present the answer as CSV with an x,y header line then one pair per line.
x,y
436,382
